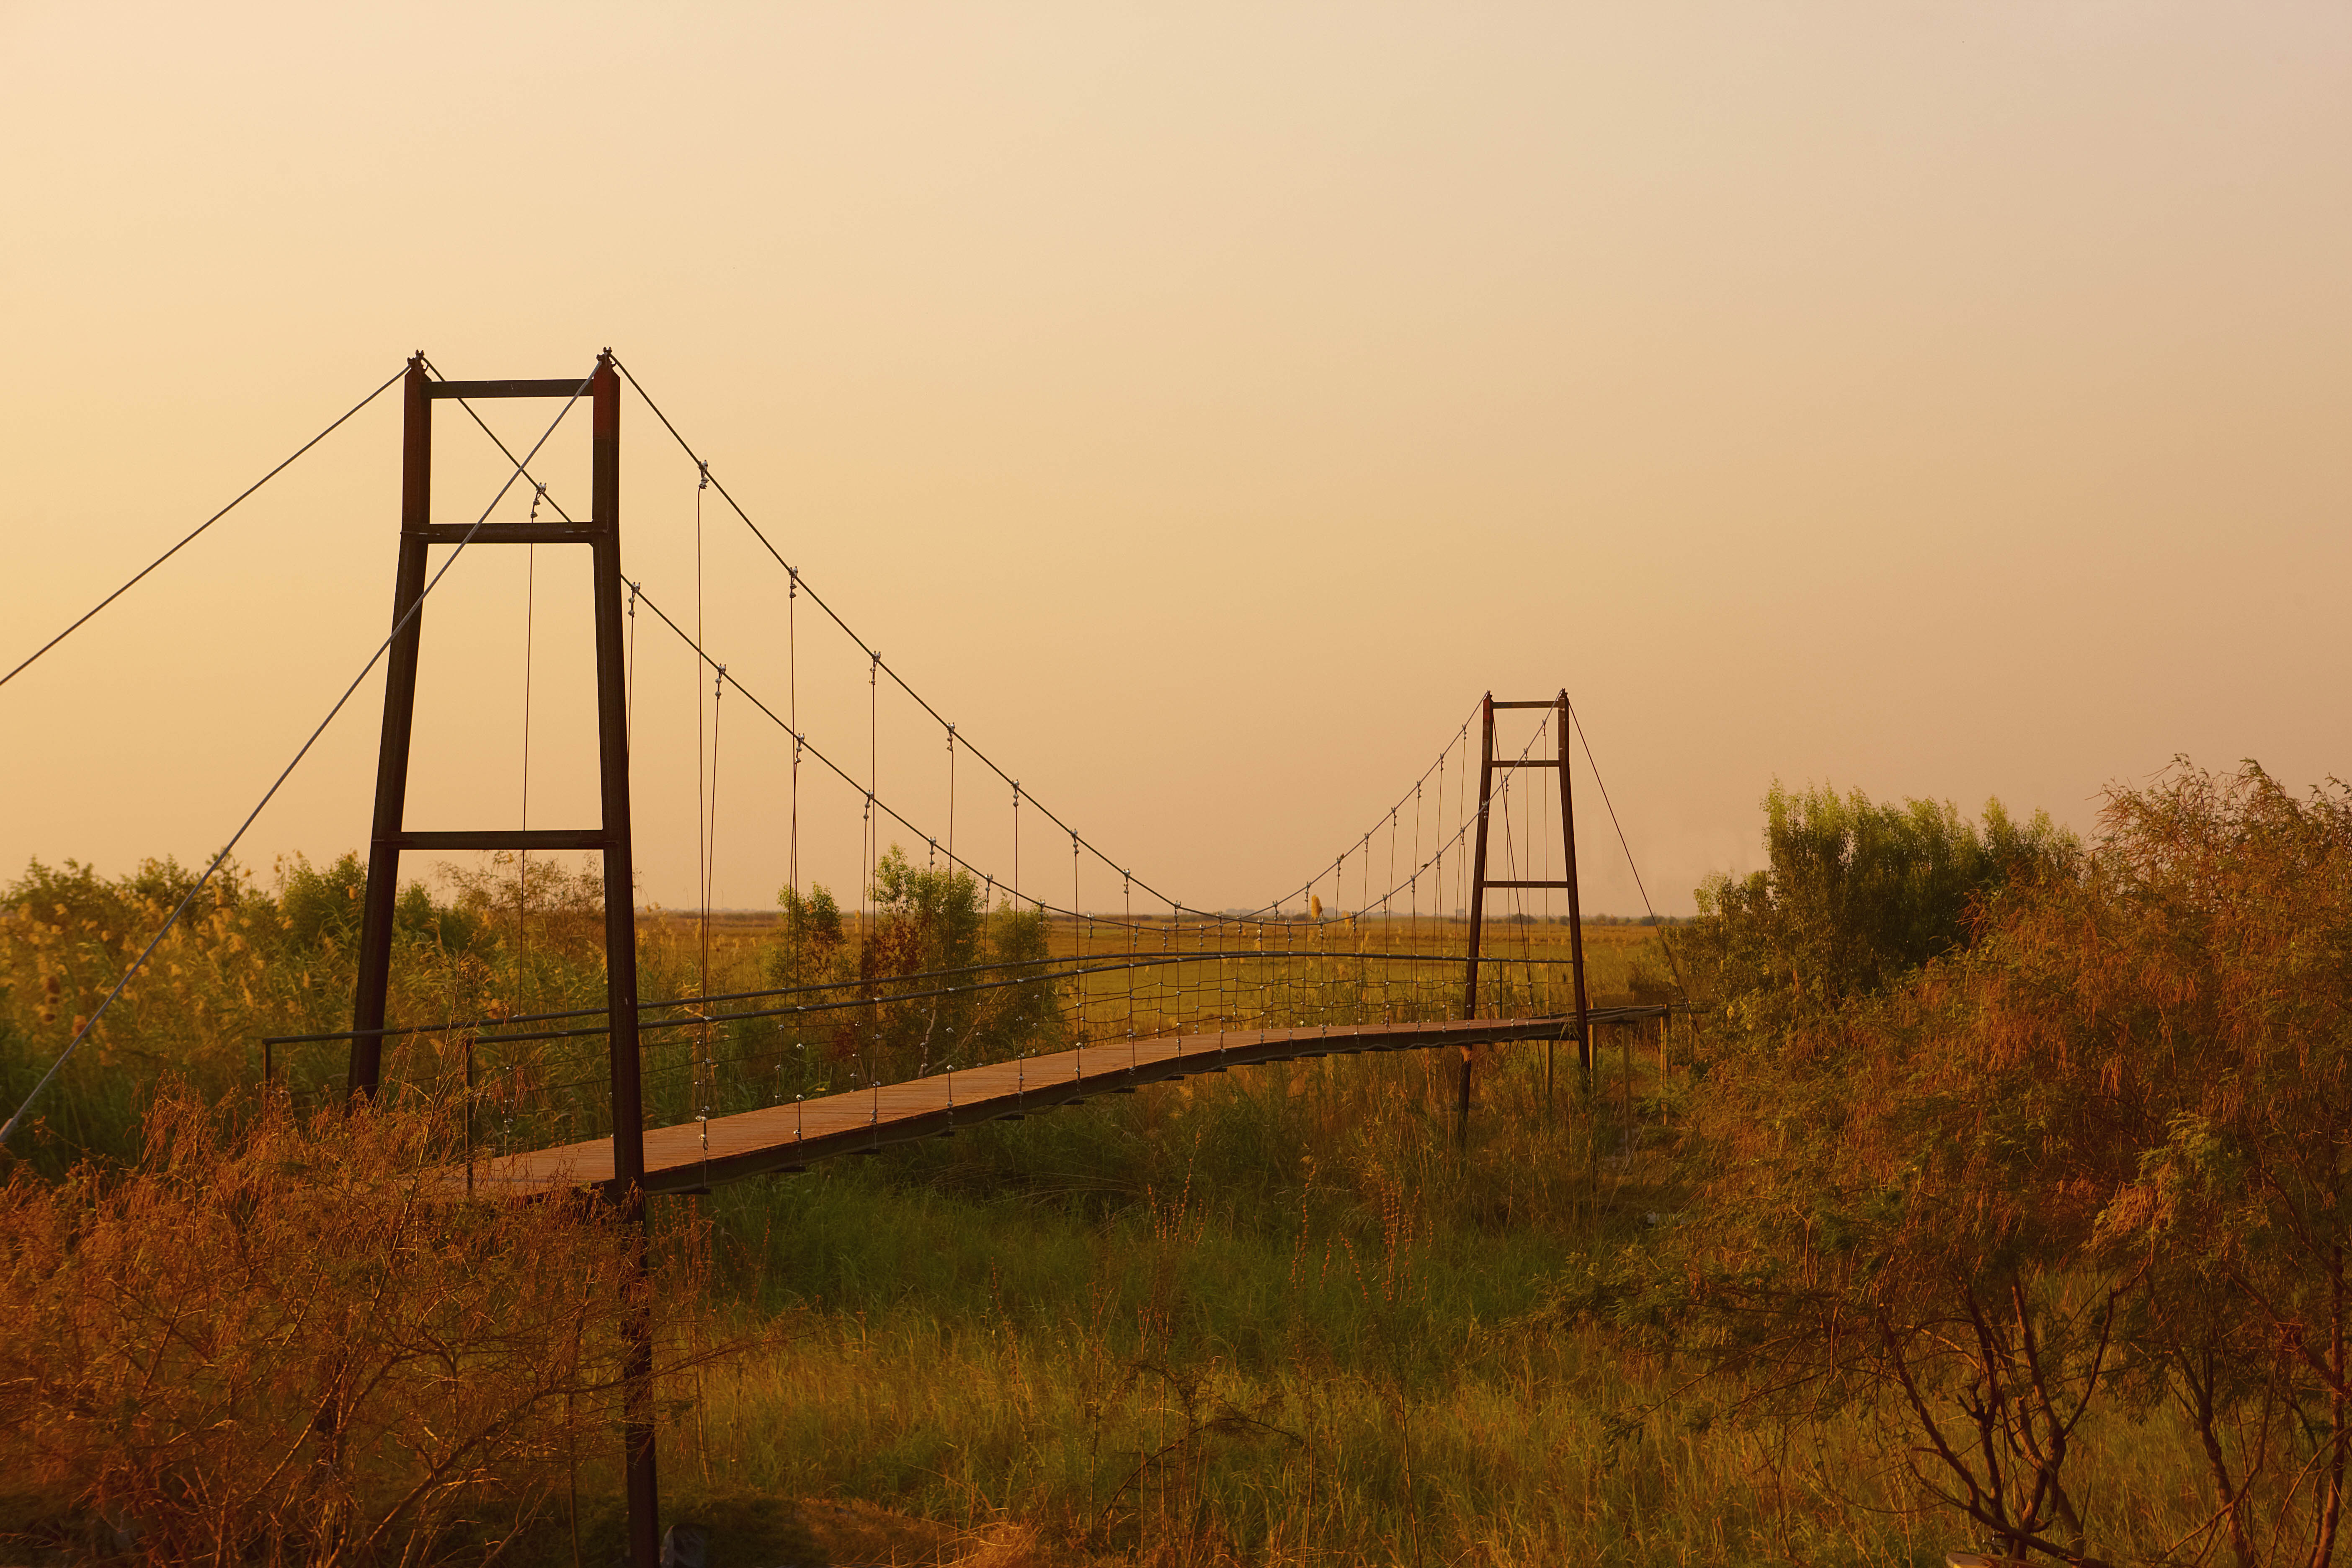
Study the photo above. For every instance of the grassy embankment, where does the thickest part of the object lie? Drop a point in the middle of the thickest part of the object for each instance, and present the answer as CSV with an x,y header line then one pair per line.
x,y
1271,1315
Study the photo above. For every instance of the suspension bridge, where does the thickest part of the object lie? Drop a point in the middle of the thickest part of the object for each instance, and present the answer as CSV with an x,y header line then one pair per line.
x,y
955,993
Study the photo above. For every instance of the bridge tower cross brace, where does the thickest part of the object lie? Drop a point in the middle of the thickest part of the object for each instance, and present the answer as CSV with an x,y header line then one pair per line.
x,y
1480,883
390,835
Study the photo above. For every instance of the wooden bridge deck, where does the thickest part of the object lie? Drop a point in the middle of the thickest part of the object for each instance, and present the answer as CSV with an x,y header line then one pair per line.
x,y
693,1157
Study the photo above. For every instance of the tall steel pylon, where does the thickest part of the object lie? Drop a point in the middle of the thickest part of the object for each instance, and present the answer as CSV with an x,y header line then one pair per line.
x,y
602,533
1487,764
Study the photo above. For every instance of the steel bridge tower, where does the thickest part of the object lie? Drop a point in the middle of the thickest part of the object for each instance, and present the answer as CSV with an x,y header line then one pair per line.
x,y
390,835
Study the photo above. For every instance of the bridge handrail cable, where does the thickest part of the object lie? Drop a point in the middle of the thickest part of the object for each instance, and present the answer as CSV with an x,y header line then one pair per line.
x,y
1136,961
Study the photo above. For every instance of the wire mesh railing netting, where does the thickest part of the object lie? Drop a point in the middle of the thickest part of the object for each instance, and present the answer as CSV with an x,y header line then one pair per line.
x,y
1100,989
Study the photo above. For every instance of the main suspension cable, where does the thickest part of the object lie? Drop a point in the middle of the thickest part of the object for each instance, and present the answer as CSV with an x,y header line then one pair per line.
x,y
846,629
862,790
883,666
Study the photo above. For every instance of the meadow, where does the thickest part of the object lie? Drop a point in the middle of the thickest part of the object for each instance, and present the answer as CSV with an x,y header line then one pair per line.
x,y
1274,1316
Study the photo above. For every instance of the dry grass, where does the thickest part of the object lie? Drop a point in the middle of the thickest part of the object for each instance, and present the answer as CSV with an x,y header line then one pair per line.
x,y
268,1342
1272,1317
1284,1323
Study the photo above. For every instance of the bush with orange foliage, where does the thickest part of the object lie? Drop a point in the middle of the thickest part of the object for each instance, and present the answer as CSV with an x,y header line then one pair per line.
x,y
2092,1159
275,1340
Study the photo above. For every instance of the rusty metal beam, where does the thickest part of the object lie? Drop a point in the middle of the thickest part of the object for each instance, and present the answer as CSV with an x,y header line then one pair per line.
x,y
439,390
621,960
554,838
511,533
1575,903
372,985
1477,908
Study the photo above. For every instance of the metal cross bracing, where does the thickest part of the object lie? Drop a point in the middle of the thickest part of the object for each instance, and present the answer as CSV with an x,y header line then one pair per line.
x,y
1392,944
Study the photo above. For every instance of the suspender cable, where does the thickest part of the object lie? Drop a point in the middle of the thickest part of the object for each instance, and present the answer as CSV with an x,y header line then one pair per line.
x,y
522,856
793,724
874,758
702,466
832,614
1416,940
706,1073
1289,929
701,817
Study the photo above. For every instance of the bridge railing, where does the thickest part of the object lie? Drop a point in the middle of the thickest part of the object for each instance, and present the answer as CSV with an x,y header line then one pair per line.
x,y
537,1080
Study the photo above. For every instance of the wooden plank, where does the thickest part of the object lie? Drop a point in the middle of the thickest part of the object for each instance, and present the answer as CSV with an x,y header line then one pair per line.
x,y
693,1157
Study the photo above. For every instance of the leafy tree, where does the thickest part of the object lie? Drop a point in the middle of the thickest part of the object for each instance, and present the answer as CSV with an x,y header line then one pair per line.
x,y
2203,974
1854,896
813,940
940,979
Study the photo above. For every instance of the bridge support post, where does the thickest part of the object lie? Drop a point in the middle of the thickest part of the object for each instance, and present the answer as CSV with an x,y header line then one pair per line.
x,y
1575,903
373,984
1477,907
621,955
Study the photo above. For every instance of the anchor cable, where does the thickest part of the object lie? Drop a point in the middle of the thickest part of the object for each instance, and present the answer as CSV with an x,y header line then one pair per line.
x,y
190,537
400,626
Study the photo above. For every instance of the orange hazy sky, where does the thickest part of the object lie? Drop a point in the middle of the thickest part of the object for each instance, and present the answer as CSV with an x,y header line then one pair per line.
x,y
1200,405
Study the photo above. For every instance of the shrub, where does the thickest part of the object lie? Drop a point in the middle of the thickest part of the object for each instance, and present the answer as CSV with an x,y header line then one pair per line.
x,y
2096,1156
281,1342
